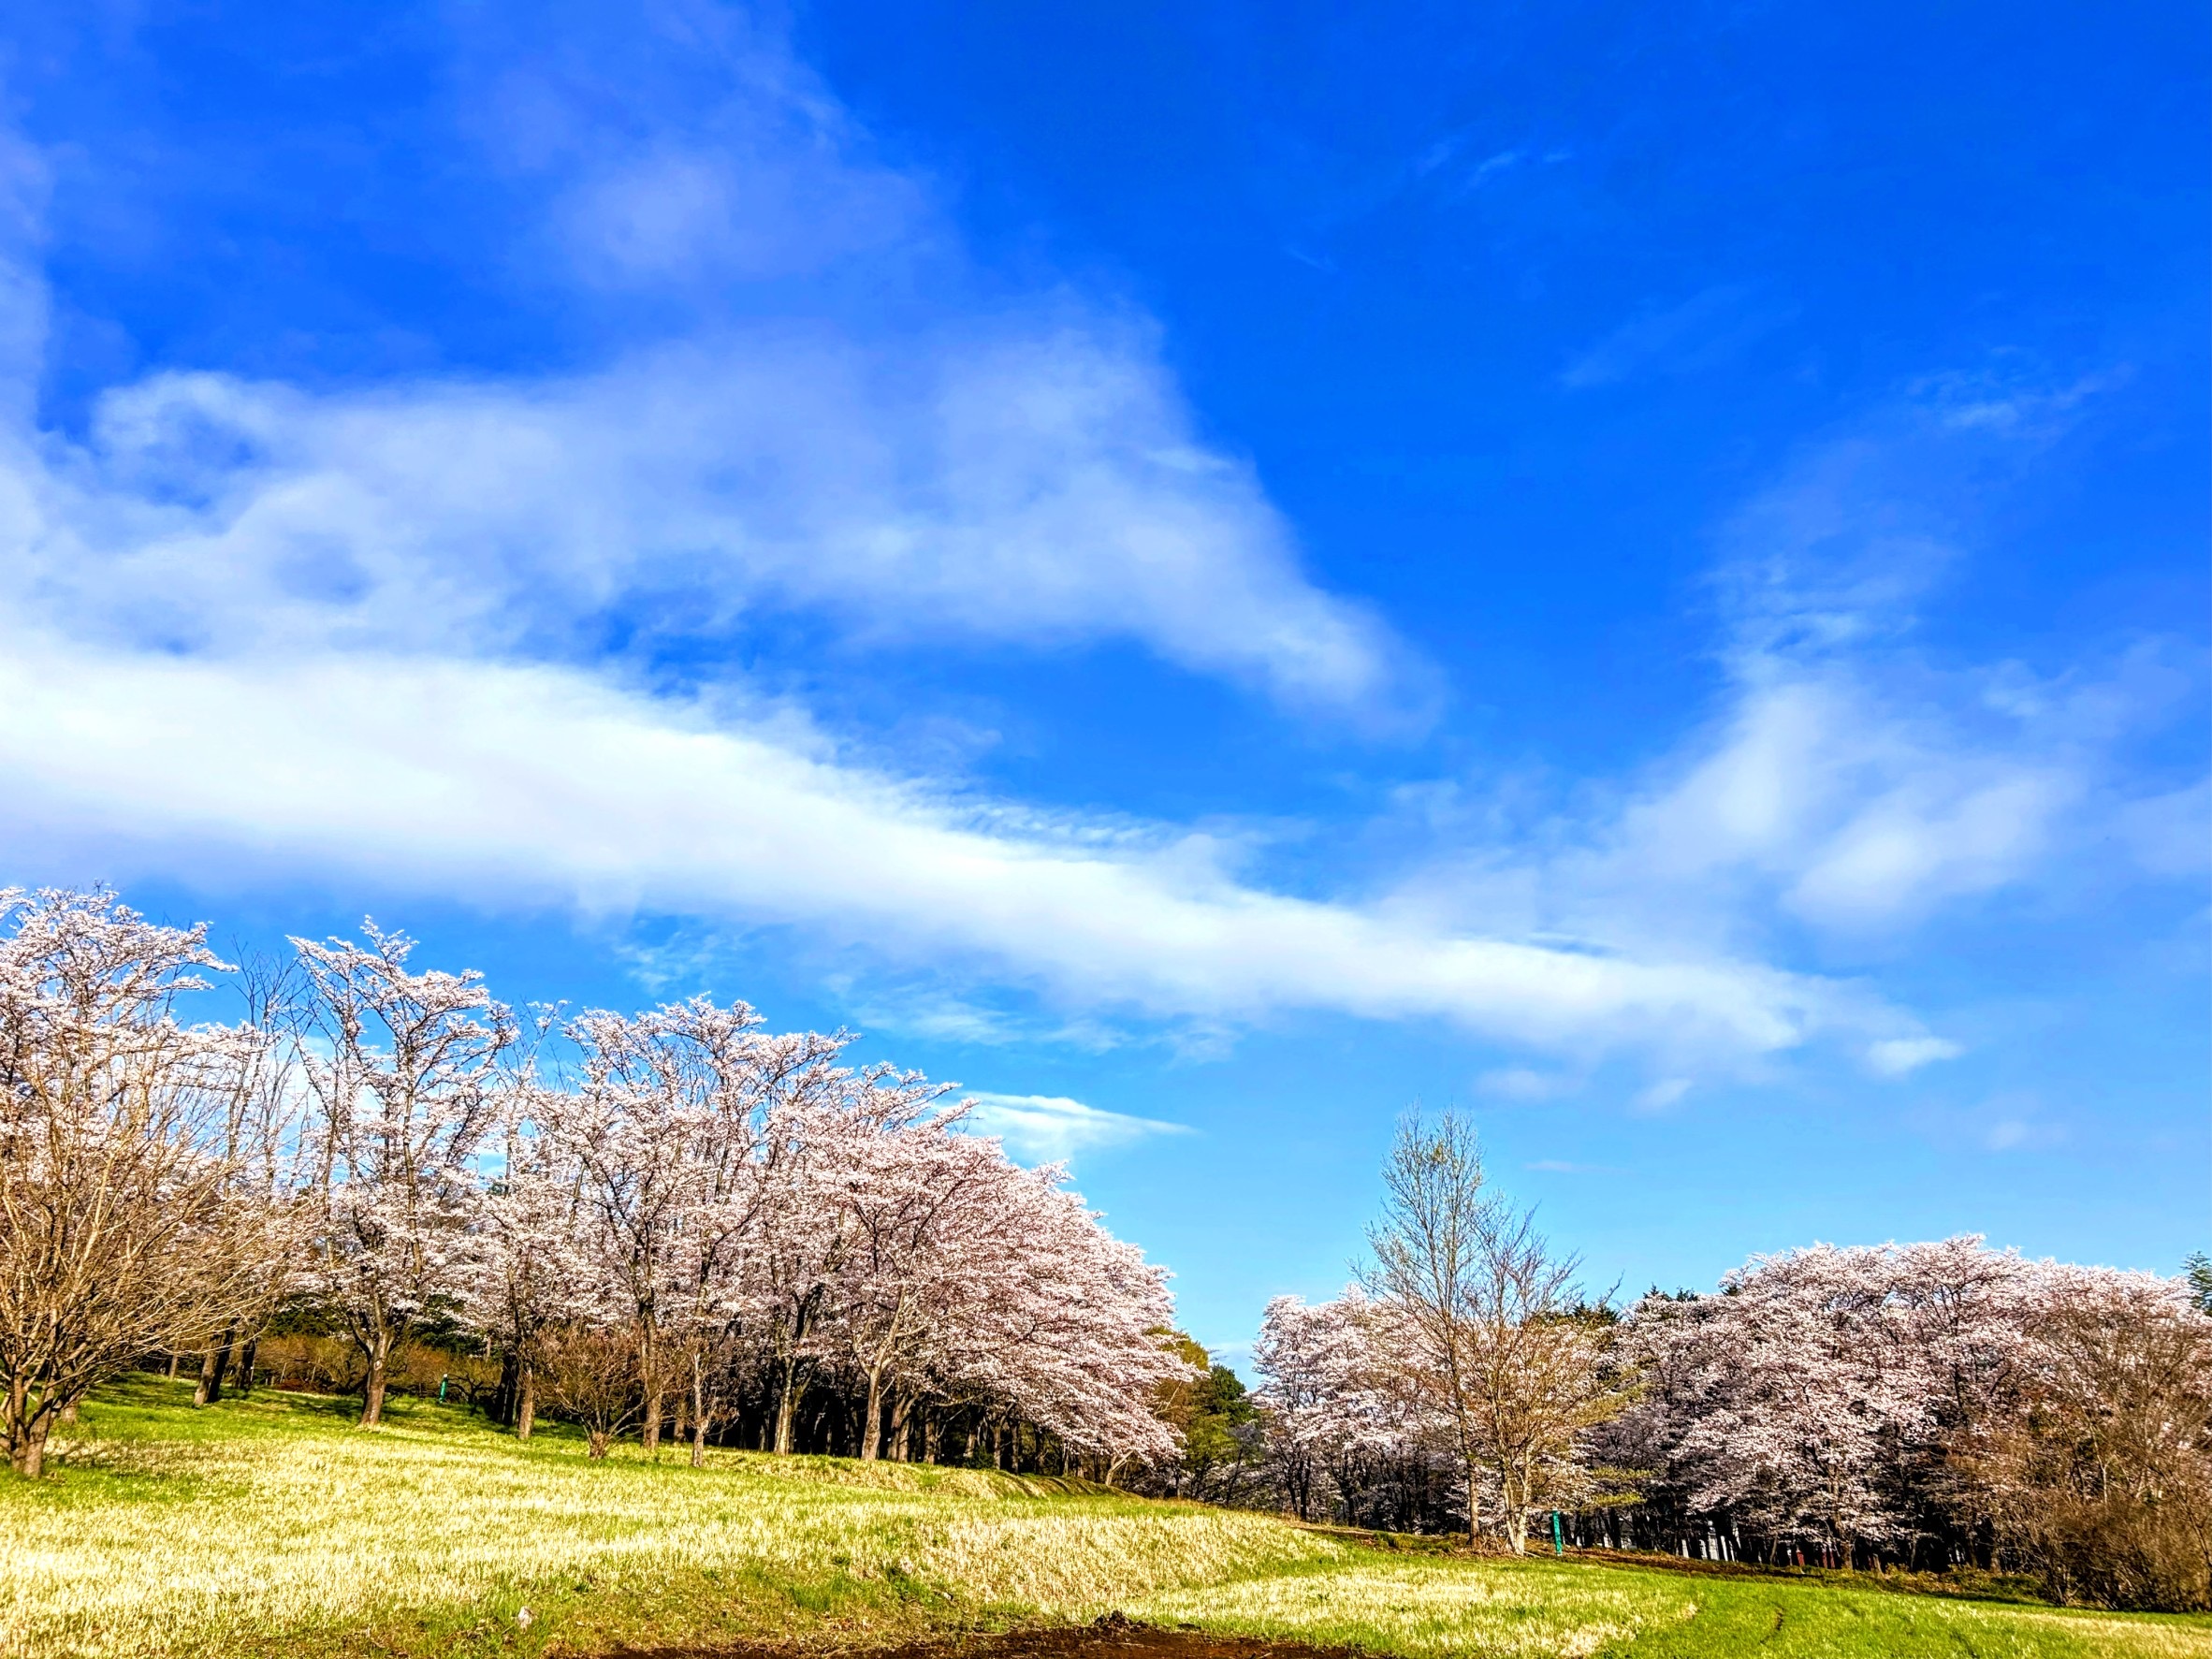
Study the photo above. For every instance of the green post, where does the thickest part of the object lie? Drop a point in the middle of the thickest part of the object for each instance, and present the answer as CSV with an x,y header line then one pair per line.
x,y
1557,1547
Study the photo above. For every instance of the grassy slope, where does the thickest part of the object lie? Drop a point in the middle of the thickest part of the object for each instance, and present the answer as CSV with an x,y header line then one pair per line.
x,y
268,1527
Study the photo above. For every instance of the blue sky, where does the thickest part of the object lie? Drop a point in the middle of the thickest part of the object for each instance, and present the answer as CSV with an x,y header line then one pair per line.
x,y
1209,572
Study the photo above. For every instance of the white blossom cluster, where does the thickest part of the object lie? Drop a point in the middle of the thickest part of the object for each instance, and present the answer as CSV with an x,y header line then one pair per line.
x,y
675,1212
1941,1403
740,1211
1847,1399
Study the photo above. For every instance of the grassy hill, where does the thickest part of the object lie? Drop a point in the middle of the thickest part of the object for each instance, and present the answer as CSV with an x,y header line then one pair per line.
x,y
268,1527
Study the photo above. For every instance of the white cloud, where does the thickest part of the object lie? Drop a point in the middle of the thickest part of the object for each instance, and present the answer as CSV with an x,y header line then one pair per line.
x,y
257,632
1849,786
1039,486
507,785
969,465
2017,1131
1698,333
1051,1128
1526,1083
1896,1056
681,147
2171,834
1855,808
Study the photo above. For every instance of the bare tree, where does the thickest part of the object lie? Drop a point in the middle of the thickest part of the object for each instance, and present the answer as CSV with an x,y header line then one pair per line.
x,y
1428,1264
1539,1372
1490,1324
2101,1479
593,1376
123,1225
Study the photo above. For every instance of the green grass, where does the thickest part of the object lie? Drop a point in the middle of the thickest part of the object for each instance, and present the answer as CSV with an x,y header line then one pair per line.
x,y
271,1529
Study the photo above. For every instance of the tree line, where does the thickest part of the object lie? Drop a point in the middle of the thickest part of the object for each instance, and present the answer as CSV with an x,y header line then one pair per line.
x,y
1928,1405
652,1218
678,1222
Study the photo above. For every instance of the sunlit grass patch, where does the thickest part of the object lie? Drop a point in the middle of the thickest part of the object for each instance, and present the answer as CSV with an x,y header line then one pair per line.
x,y
1427,1607
271,1529
291,1530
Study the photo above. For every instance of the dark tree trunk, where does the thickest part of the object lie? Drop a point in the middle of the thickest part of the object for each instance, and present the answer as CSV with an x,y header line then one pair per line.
x,y
504,1397
211,1369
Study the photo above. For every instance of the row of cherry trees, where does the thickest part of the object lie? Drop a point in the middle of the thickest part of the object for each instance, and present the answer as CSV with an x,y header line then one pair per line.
x,y
1930,1404
1934,1403
675,1214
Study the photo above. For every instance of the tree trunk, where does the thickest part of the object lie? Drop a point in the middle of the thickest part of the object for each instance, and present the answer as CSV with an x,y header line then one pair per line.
x,y
1515,1484
503,1398
1474,1508
380,1355
871,1422
651,1434
526,1401
787,1406
211,1368
595,1441
245,1365
699,1412
30,1444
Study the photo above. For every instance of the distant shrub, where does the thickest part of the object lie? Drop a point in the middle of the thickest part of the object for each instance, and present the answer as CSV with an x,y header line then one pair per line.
x,y
311,1365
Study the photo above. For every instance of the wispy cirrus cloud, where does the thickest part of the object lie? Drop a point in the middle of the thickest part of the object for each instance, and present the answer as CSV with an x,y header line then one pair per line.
x,y
1851,784
1698,333
1037,489
1053,1127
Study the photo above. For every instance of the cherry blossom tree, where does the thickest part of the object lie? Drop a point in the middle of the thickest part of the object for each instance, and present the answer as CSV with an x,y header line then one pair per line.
x,y
916,1204
531,1269
1318,1373
405,1072
627,1204
1853,1403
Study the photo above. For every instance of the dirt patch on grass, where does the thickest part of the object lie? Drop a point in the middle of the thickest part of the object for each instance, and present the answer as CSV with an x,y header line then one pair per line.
x,y
1114,1636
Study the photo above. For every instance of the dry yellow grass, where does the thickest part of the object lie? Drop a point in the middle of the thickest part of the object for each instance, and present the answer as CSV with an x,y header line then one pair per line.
x,y
278,1540
273,1529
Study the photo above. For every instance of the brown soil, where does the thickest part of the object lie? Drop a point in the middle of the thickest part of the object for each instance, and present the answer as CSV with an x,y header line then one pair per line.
x,y
1114,1636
